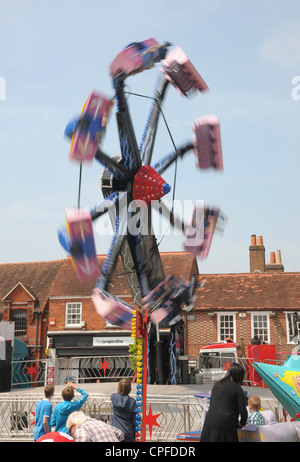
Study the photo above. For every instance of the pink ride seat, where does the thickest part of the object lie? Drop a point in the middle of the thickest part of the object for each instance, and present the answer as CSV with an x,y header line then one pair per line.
x,y
181,73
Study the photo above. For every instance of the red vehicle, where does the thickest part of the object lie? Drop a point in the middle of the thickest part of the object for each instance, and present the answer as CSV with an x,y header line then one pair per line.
x,y
215,359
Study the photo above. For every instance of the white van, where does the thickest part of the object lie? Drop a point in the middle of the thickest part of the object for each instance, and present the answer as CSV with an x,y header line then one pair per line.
x,y
215,359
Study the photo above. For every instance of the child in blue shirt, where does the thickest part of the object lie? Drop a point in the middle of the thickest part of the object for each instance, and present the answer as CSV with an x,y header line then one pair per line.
x,y
43,413
63,410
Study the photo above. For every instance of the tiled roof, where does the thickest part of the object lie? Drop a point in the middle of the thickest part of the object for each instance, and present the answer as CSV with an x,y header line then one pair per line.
x,y
36,277
58,278
182,264
237,291
268,291
67,284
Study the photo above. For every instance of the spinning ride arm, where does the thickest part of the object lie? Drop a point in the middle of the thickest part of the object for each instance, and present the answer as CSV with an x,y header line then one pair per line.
x,y
111,258
138,248
161,166
146,258
129,149
164,210
116,168
178,70
148,139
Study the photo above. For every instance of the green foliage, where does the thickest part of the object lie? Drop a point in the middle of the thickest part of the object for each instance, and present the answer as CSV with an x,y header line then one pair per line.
x,y
133,350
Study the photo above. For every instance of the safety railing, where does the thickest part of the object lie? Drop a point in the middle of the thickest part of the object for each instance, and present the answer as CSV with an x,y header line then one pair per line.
x,y
89,369
33,373
170,416
28,373
17,415
102,368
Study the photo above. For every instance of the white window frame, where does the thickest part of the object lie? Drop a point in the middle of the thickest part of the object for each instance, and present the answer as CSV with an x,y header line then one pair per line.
x,y
21,314
67,315
261,313
227,313
288,337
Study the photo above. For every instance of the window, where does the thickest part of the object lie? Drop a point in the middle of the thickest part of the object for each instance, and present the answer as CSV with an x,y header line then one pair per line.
x,y
226,327
19,317
73,314
293,325
260,326
216,360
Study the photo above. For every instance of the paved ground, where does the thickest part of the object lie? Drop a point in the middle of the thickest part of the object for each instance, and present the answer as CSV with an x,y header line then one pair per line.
x,y
106,388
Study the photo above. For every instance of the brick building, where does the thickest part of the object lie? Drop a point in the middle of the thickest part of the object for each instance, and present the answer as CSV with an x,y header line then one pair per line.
x,y
24,295
49,304
264,302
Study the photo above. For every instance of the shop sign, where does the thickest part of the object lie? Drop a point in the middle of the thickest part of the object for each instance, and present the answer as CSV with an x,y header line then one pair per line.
x,y
112,341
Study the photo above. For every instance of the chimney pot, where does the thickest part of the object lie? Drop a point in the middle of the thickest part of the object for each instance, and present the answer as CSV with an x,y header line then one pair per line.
x,y
253,239
278,257
272,258
260,240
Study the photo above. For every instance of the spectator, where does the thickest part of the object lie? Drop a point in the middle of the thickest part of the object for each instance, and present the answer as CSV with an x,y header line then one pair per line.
x,y
255,417
64,409
85,429
255,340
227,403
124,410
43,413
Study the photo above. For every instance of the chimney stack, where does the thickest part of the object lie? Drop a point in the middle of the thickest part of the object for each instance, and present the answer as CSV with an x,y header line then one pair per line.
x,y
275,265
257,254
257,258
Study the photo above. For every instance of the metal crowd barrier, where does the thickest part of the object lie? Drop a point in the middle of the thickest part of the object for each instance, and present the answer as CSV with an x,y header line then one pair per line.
x,y
103,368
172,415
34,373
29,373
90,369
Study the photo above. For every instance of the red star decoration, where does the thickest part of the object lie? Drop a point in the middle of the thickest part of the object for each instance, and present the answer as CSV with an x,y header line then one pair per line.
x,y
31,370
104,366
34,414
226,365
151,420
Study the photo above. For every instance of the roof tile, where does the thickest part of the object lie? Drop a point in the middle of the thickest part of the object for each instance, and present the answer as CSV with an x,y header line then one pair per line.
x,y
249,291
37,277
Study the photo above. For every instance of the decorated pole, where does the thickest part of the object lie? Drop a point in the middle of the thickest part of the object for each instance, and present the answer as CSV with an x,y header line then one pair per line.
x,y
144,378
139,330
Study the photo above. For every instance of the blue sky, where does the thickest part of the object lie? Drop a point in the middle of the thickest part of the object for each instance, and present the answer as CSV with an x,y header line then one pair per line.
x,y
52,54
